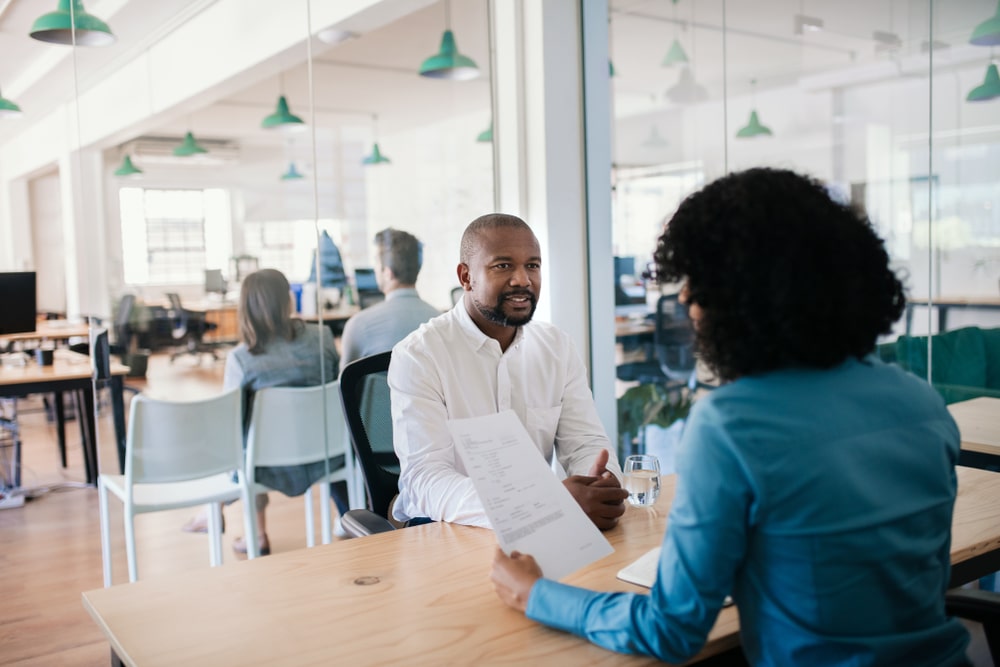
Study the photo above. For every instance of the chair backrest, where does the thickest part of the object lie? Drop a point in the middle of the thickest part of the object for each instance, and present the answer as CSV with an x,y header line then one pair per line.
x,y
122,318
287,426
100,354
171,441
365,393
178,316
673,338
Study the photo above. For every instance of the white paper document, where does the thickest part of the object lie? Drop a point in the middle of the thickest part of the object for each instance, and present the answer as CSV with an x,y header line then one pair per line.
x,y
531,511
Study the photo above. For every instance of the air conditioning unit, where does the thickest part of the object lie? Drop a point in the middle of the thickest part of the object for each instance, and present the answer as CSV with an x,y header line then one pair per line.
x,y
160,150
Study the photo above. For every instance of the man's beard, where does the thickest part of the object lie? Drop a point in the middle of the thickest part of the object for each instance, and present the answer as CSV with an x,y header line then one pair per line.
x,y
496,315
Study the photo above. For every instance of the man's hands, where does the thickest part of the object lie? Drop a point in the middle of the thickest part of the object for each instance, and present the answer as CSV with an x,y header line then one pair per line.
x,y
599,493
513,576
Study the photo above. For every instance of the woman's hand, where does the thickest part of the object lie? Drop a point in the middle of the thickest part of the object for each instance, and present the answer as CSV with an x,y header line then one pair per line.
x,y
513,576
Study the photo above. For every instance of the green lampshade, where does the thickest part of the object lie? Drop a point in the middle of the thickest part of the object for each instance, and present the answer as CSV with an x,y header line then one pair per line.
x,y
486,136
989,90
57,27
987,33
448,63
292,174
611,68
376,157
8,109
282,118
675,55
189,147
754,128
127,168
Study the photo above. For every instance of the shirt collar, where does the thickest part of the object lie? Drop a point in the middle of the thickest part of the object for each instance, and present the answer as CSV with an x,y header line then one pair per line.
x,y
474,332
401,293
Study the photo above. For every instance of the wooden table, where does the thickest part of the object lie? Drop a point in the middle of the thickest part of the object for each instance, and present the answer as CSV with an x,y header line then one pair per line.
x,y
334,318
419,596
978,422
945,303
69,372
50,330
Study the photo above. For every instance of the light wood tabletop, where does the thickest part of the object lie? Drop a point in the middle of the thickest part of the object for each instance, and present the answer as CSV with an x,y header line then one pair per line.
x,y
51,330
419,595
978,422
65,365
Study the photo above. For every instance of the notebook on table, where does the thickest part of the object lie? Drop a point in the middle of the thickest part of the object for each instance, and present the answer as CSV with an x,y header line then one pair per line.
x,y
642,571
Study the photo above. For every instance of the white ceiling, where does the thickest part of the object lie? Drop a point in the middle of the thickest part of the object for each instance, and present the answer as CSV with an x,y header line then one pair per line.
x,y
375,73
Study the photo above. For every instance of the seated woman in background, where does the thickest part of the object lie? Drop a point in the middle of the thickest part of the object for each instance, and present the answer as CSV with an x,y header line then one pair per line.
x,y
816,485
275,351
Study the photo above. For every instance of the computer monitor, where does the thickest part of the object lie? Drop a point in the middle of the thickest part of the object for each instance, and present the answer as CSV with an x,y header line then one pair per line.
x,y
365,281
630,290
18,297
214,282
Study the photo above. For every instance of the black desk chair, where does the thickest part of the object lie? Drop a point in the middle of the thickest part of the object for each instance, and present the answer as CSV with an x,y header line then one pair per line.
x,y
188,329
364,391
979,607
671,361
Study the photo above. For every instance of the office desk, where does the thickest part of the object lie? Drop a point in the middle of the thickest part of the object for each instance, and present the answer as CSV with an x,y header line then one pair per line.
x,y
978,422
334,318
944,304
50,330
419,596
70,372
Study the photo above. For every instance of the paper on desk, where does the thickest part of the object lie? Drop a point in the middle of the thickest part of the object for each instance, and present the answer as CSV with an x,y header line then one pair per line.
x,y
531,511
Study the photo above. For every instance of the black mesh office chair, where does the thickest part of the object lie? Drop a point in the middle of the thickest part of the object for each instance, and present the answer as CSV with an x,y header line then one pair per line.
x,y
671,359
979,607
188,329
364,391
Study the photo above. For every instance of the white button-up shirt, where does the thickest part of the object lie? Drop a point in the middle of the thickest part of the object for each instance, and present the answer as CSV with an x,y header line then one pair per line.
x,y
449,369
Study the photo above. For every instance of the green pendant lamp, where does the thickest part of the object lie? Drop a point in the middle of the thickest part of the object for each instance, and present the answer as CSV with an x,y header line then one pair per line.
x,y
283,119
754,128
189,147
58,27
127,168
292,174
611,68
376,157
486,136
8,109
675,55
987,33
989,90
448,63
687,90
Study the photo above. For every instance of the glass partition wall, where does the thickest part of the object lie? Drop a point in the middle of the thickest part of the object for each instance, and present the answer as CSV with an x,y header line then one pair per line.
x,y
209,140
894,104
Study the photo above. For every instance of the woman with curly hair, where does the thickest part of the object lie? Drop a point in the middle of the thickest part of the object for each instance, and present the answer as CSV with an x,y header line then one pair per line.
x,y
816,485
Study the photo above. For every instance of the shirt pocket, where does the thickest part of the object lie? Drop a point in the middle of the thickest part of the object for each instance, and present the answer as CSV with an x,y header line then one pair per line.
x,y
542,425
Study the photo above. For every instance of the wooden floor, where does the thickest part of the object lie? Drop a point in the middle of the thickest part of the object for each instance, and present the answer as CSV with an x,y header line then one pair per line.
x,y
50,548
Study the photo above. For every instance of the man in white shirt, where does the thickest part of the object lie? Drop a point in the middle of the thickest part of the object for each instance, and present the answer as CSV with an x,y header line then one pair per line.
x,y
484,356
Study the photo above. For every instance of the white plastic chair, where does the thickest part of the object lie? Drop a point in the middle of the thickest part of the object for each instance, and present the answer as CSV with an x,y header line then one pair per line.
x,y
177,454
287,427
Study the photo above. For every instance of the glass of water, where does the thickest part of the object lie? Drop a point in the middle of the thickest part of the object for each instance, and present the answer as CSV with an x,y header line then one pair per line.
x,y
642,479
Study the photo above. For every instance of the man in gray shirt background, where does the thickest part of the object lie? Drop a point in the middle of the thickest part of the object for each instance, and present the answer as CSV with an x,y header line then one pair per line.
x,y
398,258
377,328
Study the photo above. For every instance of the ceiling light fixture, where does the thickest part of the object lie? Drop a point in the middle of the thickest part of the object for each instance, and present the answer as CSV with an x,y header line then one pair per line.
x,y
754,128
987,33
675,55
448,63
58,27
283,119
376,156
654,140
334,35
687,90
8,109
804,24
189,147
127,169
990,88
486,136
292,174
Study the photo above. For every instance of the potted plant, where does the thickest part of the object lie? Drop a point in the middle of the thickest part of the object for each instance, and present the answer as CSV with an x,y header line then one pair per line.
x,y
650,418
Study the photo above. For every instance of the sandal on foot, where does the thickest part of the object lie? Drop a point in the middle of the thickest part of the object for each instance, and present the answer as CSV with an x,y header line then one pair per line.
x,y
240,546
199,524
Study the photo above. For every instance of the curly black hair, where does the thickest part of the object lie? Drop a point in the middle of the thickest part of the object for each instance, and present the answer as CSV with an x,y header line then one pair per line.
x,y
784,275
